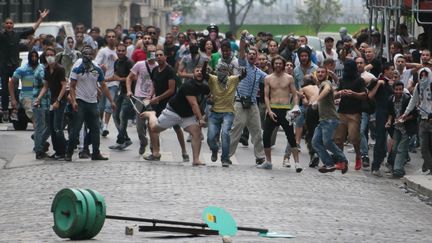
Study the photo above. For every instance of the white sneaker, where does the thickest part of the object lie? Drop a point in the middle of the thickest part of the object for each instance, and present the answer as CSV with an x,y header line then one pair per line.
x,y
286,162
427,172
298,167
377,173
266,165
105,131
351,150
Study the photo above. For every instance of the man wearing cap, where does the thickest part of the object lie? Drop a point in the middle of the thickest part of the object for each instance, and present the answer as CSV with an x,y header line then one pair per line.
x,y
329,52
342,32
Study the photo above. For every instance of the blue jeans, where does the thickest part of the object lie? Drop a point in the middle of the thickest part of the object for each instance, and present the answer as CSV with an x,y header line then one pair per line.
x,y
88,113
42,130
379,152
364,149
216,122
105,105
322,141
399,152
124,112
56,123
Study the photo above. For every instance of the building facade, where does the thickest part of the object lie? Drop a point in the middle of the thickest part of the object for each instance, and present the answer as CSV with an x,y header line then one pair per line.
x,y
102,13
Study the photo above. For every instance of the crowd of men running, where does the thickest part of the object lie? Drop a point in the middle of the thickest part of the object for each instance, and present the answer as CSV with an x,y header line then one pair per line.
x,y
348,92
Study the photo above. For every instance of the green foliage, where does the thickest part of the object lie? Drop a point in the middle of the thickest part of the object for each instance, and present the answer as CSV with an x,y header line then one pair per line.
x,y
319,13
281,29
188,6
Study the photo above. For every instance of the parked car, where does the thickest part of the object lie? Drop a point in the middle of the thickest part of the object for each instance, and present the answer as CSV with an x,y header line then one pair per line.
x,y
52,28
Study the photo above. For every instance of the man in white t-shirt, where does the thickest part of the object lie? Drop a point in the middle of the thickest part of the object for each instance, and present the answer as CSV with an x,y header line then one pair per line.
x,y
105,59
329,52
140,85
403,68
84,79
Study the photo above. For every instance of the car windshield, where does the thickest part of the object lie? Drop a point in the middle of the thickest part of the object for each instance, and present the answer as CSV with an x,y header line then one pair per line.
x,y
315,43
47,30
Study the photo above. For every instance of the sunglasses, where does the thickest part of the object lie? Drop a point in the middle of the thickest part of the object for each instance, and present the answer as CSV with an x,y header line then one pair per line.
x,y
151,33
139,37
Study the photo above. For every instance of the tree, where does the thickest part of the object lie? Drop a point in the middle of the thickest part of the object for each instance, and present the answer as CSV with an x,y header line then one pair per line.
x,y
239,8
188,6
319,13
236,9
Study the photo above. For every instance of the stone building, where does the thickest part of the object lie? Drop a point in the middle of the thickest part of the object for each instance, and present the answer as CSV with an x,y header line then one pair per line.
x,y
102,13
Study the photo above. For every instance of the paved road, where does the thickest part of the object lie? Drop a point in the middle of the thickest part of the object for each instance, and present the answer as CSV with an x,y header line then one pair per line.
x,y
314,207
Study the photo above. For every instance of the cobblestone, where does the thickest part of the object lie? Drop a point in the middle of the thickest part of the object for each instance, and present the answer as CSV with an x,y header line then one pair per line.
x,y
314,207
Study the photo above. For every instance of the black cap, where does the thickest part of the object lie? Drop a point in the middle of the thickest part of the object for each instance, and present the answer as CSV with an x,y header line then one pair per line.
x,y
347,38
329,38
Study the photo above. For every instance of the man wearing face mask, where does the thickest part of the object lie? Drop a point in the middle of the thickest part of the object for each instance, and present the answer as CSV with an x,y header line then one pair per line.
x,y
84,80
423,98
55,82
189,62
140,85
222,88
69,55
31,76
225,56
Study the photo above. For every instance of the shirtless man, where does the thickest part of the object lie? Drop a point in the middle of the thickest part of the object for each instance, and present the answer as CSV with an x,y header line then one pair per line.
x,y
308,92
279,85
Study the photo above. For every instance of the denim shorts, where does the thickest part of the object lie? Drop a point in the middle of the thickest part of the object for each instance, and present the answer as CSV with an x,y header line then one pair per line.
x,y
301,119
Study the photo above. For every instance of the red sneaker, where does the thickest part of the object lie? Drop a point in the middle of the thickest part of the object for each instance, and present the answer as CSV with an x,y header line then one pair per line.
x,y
342,166
358,164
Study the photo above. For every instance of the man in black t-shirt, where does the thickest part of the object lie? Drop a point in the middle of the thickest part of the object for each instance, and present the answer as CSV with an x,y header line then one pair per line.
x,y
373,64
164,85
380,91
122,67
55,83
352,91
182,109
9,55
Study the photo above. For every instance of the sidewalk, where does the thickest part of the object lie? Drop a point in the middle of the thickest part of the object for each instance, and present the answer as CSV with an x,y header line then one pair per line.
x,y
414,179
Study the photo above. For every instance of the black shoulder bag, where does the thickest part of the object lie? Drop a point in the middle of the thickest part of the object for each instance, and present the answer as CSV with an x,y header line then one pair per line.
x,y
246,101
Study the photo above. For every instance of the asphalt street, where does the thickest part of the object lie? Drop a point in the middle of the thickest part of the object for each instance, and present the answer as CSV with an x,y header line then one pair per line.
x,y
314,207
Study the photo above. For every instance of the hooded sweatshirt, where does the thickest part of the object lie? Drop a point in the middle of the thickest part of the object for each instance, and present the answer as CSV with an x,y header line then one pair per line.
x,y
68,56
351,80
422,95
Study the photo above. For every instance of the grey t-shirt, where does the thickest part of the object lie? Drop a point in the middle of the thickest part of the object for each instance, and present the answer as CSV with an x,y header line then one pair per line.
x,y
326,106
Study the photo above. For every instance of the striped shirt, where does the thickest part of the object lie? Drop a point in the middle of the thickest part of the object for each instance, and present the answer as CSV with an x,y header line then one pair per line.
x,y
32,83
249,86
86,88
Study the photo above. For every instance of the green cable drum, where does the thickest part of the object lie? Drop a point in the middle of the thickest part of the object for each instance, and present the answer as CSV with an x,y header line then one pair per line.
x,y
100,214
69,209
90,217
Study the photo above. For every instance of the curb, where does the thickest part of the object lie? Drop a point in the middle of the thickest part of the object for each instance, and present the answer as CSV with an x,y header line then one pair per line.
x,y
420,183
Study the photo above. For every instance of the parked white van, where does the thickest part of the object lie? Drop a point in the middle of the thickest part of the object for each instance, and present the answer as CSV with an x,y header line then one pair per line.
x,y
51,28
